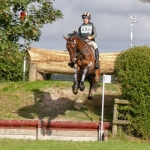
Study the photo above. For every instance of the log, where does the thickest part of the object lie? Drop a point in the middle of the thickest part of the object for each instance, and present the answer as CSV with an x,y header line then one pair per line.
x,y
120,122
56,62
121,101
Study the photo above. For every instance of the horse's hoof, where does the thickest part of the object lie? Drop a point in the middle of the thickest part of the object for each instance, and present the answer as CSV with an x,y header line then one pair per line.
x,y
75,92
74,89
71,64
82,87
75,86
90,97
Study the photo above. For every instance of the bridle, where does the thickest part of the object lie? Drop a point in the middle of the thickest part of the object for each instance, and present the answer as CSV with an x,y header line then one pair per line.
x,y
76,47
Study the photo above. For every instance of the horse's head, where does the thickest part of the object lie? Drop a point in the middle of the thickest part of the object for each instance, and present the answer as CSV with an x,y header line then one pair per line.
x,y
74,44
71,47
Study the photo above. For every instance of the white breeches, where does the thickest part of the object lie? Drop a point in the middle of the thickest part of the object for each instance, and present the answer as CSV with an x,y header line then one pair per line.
x,y
92,43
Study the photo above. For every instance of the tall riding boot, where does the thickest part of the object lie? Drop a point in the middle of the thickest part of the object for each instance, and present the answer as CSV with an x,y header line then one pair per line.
x,y
96,66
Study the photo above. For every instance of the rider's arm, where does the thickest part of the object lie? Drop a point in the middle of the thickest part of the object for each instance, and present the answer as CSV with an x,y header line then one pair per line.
x,y
94,33
79,32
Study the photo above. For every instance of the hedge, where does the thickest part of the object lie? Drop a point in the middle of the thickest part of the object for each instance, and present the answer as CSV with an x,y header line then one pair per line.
x,y
132,70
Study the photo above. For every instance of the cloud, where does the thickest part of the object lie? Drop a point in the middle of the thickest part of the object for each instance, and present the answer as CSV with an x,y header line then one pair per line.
x,y
111,18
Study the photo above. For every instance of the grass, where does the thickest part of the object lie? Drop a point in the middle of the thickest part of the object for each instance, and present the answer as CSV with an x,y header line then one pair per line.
x,y
9,144
54,100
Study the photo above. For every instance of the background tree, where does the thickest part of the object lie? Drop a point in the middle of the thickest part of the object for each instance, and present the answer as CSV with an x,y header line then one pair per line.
x,y
13,28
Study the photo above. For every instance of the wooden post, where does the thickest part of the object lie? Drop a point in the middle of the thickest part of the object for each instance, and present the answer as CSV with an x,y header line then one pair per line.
x,y
115,117
32,72
40,76
106,135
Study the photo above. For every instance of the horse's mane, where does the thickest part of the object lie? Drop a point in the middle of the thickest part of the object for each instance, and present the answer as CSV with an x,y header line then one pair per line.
x,y
74,33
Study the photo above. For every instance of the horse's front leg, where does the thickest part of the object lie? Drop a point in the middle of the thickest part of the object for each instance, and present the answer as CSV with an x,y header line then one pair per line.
x,y
81,85
75,85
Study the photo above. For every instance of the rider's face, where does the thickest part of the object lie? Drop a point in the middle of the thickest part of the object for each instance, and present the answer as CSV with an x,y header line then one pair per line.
x,y
86,20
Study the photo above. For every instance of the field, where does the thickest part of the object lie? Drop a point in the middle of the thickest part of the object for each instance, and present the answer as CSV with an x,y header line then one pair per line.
x,y
115,144
54,100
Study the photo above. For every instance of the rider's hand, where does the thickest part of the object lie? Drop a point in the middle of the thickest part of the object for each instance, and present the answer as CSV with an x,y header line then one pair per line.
x,y
90,37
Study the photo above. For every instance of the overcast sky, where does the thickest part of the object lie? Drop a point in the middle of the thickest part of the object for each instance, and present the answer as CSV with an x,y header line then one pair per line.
x,y
112,21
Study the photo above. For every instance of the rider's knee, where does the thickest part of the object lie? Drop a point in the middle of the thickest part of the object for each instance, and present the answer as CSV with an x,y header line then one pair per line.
x,y
94,45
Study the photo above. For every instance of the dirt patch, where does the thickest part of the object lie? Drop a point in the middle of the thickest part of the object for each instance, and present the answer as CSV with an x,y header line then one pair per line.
x,y
53,103
62,104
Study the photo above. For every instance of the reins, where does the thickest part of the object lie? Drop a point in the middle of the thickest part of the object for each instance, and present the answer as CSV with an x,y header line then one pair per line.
x,y
85,48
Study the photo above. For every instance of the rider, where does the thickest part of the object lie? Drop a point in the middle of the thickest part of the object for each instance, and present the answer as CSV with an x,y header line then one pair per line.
x,y
87,31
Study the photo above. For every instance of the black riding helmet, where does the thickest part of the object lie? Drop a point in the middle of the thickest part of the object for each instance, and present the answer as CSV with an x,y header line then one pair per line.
x,y
86,15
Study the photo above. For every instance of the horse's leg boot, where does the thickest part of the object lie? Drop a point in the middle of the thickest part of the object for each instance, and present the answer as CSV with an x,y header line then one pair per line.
x,y
71,64
96,66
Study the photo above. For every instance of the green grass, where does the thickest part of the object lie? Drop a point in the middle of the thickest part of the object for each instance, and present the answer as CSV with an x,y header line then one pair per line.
x,y
54,100
9,144
29,86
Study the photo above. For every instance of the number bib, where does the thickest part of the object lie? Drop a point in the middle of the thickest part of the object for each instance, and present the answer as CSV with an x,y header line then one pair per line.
x,y
86,29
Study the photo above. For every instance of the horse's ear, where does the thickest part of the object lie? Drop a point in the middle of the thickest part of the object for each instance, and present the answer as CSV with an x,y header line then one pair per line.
x,y
65,38
75,32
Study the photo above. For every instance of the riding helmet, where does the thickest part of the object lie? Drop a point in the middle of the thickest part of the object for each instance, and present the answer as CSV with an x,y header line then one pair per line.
x,y
86,15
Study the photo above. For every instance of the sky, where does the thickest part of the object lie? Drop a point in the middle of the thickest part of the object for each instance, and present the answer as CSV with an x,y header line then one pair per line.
x,y
111,19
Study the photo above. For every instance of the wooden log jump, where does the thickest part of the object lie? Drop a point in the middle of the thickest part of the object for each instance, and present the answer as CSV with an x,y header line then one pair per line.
x,y
56,62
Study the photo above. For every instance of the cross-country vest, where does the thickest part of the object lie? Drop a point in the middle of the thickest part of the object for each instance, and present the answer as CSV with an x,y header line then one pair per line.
x,y
86,30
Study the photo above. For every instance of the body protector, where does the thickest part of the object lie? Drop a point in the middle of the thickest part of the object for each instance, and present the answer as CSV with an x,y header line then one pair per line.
x,y
86,30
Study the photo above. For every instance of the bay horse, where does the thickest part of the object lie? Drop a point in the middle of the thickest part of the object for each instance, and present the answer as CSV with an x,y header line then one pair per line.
x,y
82,56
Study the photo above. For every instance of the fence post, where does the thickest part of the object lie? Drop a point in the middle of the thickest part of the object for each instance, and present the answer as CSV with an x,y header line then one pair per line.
x,y
115,116
32,72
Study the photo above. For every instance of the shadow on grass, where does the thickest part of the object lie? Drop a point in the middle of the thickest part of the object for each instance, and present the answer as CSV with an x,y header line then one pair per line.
x,y
96,106
45,106
50,108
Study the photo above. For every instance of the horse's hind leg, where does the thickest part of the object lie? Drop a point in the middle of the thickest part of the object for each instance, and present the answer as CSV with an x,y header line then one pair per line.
x,y
90,90
93,83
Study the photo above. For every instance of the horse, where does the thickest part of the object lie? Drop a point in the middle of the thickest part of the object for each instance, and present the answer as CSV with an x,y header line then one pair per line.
x,y
82,57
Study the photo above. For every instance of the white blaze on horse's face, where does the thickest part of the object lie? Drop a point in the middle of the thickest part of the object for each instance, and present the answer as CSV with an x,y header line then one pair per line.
x,y
74,41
